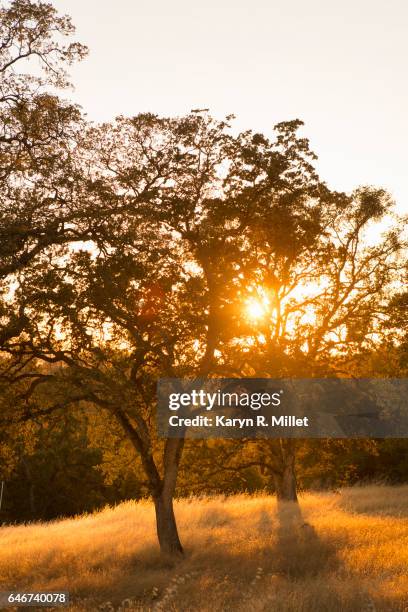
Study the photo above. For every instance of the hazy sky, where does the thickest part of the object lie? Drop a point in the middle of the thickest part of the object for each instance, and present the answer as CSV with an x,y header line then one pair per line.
x,y
340,66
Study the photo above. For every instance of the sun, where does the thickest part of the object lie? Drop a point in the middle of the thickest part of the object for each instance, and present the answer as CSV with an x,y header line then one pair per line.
x,y
257,308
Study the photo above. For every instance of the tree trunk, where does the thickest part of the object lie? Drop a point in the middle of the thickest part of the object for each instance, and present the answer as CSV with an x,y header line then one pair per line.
x,y
165,520
285,484
285,478
166,526
162,489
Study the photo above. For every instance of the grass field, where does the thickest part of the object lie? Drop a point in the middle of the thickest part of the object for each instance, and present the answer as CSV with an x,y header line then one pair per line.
x,y
346,552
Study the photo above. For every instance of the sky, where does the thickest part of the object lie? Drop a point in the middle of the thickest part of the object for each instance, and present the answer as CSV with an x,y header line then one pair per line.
x,y
340,66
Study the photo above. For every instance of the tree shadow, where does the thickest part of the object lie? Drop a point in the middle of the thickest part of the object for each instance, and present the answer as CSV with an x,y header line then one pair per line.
x,y
299,551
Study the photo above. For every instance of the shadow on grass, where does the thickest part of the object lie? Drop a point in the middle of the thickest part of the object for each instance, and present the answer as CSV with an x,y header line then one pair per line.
x,y
280,542
299,551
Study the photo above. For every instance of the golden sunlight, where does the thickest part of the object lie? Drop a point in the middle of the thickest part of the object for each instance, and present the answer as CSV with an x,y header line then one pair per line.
x,y
257,307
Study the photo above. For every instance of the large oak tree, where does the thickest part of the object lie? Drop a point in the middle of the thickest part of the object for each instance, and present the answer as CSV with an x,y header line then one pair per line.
x,y
134,250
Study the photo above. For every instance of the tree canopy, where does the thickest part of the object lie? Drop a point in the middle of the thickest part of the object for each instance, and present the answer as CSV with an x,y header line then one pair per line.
x,y
156,247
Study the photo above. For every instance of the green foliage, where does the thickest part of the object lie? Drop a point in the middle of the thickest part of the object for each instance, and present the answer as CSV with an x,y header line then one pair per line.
x,y
56,470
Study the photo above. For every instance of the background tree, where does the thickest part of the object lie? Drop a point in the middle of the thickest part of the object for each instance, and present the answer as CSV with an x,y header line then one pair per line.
x,y
62,464
42,200
328,304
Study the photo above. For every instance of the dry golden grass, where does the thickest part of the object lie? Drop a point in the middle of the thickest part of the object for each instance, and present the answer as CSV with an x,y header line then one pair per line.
x,y
347,552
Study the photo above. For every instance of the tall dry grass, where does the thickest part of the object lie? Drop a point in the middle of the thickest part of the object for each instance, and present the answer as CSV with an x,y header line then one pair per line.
x,y
345,552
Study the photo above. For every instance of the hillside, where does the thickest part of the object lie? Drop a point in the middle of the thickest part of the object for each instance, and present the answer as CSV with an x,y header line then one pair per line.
x,y
348,552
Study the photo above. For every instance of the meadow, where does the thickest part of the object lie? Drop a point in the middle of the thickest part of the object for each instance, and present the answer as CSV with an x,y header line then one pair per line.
x,y
344,551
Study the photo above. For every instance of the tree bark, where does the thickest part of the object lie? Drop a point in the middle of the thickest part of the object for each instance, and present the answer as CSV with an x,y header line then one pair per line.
x,y
285,485
162,488
285,478
165,520
166,526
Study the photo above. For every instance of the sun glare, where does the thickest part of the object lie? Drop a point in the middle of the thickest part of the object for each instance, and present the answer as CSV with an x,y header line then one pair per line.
x,y
257,307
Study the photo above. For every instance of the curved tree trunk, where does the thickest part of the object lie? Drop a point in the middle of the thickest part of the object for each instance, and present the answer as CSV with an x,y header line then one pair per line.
x,y
161,488
166,526
165,520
